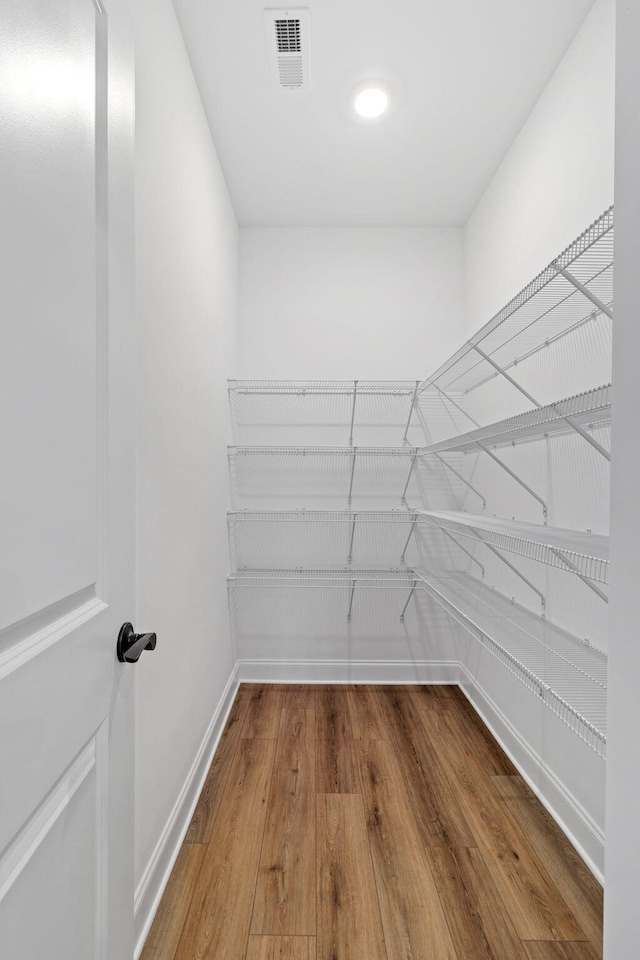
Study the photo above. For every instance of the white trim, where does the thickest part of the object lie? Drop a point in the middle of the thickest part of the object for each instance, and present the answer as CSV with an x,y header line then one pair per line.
x,y
158,870
16,858
347,671
36,643
581,830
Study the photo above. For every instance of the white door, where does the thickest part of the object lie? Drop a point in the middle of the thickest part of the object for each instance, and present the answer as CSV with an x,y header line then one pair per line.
x,y
66,479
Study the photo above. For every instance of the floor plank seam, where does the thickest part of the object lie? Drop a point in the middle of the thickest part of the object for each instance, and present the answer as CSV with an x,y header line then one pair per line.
x,y
264,827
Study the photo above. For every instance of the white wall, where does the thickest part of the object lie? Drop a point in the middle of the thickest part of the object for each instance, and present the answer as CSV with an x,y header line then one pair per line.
x,y
341,303
556,178
622,893
187,306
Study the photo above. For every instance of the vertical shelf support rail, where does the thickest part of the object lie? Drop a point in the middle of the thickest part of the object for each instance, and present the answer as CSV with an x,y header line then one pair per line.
x,y
353,470
353,533
353,411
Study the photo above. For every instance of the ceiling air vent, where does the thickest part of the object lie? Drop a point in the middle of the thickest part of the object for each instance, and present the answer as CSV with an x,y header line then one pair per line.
x,y
288,38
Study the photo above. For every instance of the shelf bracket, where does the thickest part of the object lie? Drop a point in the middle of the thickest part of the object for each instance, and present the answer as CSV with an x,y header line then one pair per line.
x,y
353,533
353,590
515,476
515,570
413,401
455,404
353,470
413,526
596,301
464,549
460,477
404,609
568,420
353,411
403,498
447,534
588,583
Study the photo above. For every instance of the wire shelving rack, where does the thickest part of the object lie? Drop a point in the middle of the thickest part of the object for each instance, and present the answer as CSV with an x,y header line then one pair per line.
x,y
325,438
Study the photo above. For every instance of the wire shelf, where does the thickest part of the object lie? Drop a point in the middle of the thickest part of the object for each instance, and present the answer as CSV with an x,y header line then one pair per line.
x,y
342,578
589,409
323,388
319,451
550,307
322,411
567,674
586,554
267,477
324,516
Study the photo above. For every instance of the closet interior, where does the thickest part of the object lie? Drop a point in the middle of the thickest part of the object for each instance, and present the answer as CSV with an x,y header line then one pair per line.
x,y
452,529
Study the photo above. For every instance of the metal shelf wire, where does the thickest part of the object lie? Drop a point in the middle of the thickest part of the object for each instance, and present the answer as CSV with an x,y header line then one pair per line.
x,y
323,516
343,577
321,477
317,539
308,388
279,450
576,286
567,674
324,411
589,409
586,554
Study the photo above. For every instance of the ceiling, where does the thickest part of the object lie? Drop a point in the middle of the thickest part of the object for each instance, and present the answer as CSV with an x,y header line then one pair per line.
x,y
463,74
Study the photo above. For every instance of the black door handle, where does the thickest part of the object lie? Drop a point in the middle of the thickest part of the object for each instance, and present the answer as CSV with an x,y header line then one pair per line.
x,y
131,645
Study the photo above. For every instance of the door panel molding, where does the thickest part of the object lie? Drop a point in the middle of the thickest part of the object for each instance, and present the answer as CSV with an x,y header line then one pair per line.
x,y
39,640
25,846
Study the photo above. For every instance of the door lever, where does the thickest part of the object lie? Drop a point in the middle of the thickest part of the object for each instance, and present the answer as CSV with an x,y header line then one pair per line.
x,y
131,645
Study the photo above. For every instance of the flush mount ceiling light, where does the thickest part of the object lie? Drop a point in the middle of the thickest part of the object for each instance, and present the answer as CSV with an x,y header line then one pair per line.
x,y
371,102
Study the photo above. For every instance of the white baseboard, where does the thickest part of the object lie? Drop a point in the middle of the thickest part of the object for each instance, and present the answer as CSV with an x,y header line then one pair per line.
x,y
347,671
154,879
585,835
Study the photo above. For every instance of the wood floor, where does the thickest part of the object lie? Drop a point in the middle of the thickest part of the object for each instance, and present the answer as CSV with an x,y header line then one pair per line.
x,y
371,823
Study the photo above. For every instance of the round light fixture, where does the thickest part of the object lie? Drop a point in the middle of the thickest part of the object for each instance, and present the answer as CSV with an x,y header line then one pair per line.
x,y
371,102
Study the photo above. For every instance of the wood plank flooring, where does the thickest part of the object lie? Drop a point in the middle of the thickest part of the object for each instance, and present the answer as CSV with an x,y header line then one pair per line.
x,y
371,823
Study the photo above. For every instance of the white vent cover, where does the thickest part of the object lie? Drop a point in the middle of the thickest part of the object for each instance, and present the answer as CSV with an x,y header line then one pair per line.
x,y
288,40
